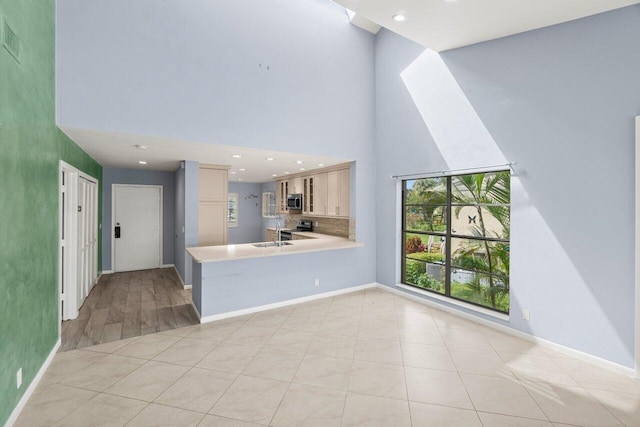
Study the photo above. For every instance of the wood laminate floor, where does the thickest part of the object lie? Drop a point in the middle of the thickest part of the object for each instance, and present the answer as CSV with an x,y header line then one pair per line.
x,y
125,305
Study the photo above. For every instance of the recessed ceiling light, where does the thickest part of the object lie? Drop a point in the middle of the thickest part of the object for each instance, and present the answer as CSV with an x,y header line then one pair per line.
x,y
236,156
287,173
239,179
232,172
399,17
274,174
140,147
242,169
269,159
302,169
320,164
142,162
299,162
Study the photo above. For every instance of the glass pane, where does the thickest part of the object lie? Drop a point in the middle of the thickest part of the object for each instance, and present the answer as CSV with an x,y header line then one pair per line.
x,y
481,255
426,191
481,188
481,221
425,247
426,218
425,275
478,288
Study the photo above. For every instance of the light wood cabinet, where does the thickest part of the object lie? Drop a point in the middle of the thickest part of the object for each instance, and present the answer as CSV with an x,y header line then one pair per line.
x,y
212,205
338,193
271,235
323,194
282,190
320,183
307,194
213,184
296,186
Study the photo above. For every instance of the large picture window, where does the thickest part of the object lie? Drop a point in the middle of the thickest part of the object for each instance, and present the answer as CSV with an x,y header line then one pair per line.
x,y
456,237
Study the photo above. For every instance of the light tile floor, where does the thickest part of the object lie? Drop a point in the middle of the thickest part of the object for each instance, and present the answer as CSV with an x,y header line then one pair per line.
x,y
370,358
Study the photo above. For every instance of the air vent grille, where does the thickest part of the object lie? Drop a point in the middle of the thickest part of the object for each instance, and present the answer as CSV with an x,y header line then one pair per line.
x,y
10,40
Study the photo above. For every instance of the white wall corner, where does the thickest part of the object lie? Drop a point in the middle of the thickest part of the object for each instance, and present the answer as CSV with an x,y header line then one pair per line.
x,y
189,286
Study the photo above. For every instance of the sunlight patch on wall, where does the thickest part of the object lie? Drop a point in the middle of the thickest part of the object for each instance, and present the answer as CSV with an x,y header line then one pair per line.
x,y
455,126
464,142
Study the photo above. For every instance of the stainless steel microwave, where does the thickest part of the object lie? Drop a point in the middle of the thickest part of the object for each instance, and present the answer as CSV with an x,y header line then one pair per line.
x,y
294,201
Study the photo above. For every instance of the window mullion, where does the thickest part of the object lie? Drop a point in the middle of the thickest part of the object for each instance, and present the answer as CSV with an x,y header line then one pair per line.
x,y
447,279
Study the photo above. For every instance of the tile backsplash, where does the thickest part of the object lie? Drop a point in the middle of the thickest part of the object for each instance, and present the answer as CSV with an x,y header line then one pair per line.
x,y
342,227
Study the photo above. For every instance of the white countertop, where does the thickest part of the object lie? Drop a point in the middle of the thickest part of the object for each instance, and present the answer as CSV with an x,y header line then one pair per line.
x,y
316,242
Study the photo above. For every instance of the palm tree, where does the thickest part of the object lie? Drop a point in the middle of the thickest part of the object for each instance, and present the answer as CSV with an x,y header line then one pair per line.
x,y
490,192
429,194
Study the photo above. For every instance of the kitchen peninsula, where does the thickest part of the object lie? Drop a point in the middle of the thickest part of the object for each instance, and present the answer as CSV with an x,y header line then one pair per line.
x,y
233,279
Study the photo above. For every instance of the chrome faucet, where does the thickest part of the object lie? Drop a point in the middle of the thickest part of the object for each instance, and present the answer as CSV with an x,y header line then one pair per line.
x,y
278,231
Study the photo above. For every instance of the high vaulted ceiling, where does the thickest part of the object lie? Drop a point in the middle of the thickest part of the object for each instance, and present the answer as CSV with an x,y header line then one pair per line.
x,y
448,24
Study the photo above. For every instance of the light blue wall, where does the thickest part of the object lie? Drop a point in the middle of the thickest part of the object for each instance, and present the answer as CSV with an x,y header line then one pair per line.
x,y
191,214
249,229
560,101
179,227
130,176
125,72
187,70
221,287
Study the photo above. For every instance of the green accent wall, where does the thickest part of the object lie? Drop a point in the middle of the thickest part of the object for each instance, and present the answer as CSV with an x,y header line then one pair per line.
x,y
31,147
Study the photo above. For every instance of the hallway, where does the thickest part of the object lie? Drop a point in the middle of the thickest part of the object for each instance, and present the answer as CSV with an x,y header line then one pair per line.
x,y
130,304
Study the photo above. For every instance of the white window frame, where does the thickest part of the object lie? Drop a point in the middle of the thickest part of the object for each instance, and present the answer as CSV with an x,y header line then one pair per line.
x,y
233,197
266,203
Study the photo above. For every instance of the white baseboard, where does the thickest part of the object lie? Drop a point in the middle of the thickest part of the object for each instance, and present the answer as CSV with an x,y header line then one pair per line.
x,y
167,266
106,272
32,387
280,304
179,277
586,357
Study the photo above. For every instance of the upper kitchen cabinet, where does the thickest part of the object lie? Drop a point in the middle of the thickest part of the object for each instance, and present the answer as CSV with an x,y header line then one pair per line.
x,y
338,193
212,205
213,183
325,193
296,186
282,190
315,194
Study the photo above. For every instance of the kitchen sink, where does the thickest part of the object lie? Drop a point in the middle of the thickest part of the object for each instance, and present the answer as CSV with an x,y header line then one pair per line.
x,y
271,244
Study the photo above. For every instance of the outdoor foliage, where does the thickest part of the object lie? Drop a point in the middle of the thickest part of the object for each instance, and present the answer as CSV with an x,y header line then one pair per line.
x,y
416,275
414,244
480,268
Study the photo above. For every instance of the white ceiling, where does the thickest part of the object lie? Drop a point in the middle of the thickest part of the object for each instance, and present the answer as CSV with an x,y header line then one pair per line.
x,y
447,24
115,150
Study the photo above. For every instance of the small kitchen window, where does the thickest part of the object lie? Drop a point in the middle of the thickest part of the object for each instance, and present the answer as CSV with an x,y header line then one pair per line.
x,y
232,211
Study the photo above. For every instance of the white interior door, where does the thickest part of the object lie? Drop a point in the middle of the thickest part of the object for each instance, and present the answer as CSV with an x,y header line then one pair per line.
x,y
68,243
137,230
82,240
87,237
78,251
